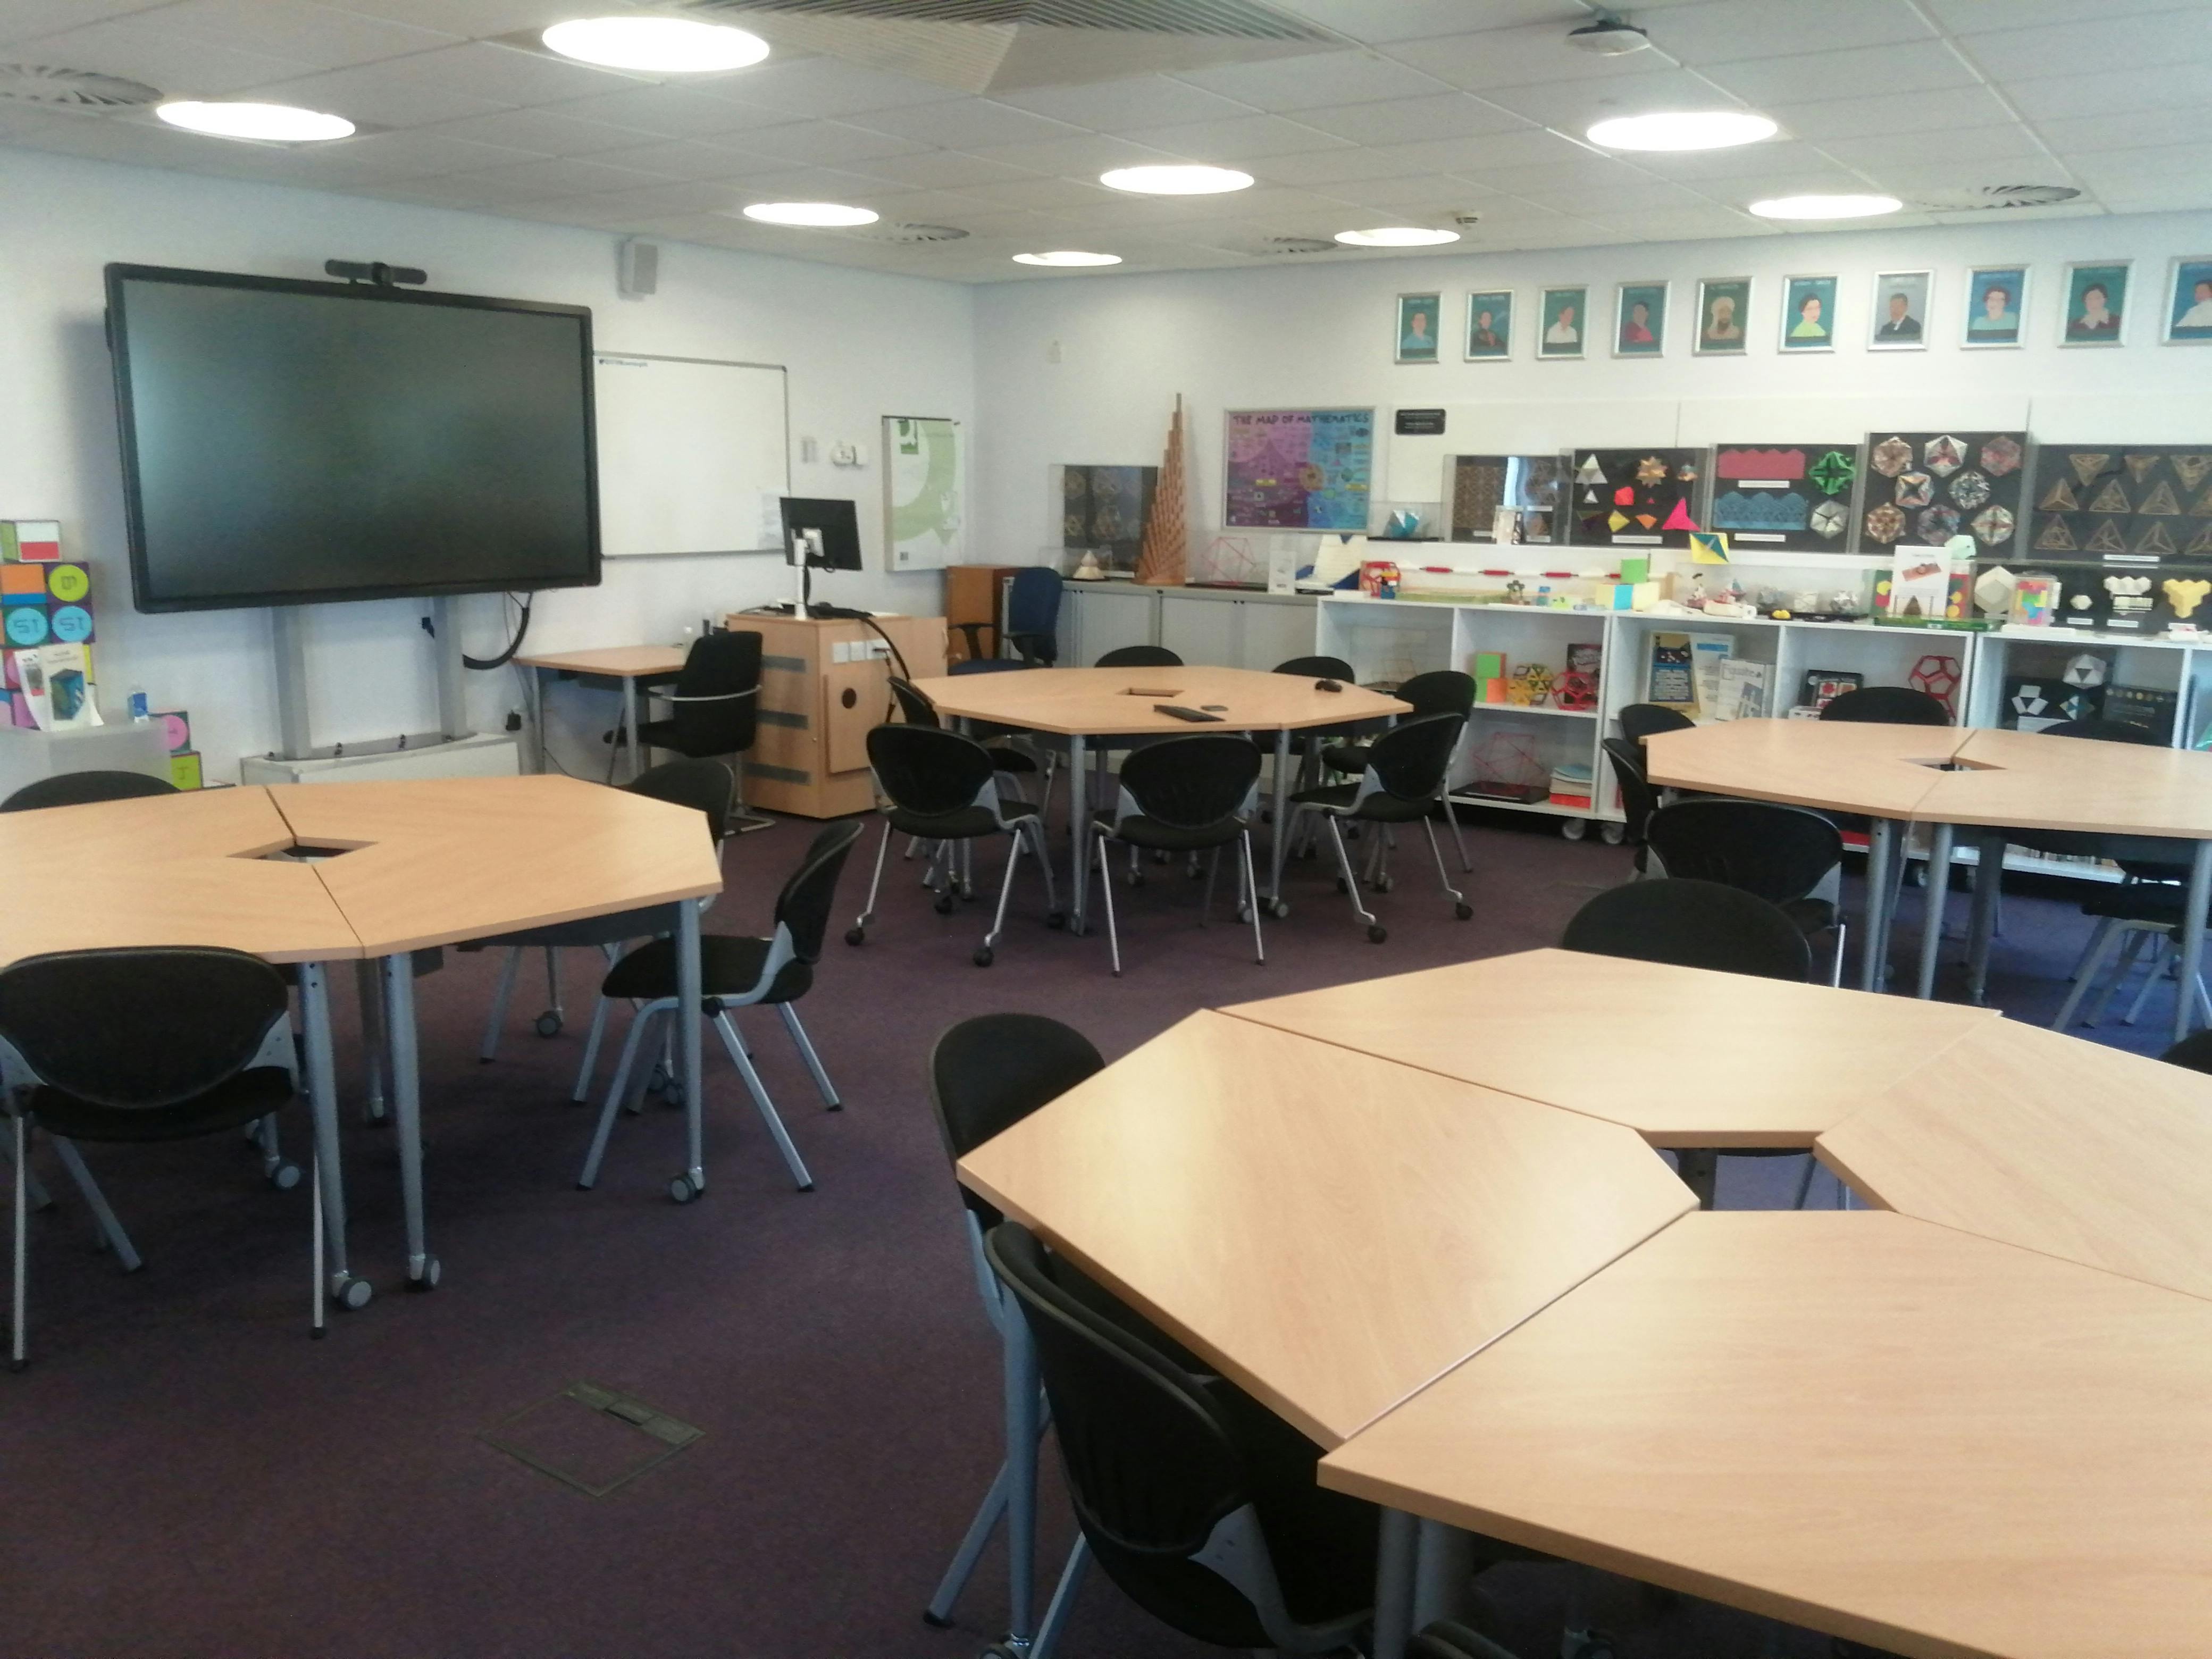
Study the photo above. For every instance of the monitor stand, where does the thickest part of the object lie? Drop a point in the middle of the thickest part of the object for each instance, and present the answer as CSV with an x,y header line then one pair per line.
x,y
294,723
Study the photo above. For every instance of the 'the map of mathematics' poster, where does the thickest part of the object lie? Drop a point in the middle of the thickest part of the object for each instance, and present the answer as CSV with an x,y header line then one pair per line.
x,y
1300,469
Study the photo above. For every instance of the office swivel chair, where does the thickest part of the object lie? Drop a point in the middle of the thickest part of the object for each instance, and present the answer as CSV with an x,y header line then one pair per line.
x,y
82,788
1140,656
1032,619
1638,799
1446,1639
943,788
1888,705
140,1045
1188,795
1639,720
1782,853
1691,924
736,973
2195,1052
985,1075
1405,772
715,704
1441,691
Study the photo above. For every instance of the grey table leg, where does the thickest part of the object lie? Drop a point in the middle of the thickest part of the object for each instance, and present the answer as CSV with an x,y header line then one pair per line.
x,y
2192,940
1022,1429
322,1101
422,1268
1939,889
1078,833
1989,883
1699,1169
1874,931
537,719
369,984
1394,1556
629,724
1279,844
1444,1570
690,993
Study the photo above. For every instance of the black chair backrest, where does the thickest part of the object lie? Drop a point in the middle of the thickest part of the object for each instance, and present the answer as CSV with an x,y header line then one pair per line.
x,y
707,784
1151,1463
1192,783
1139,656
1439,691
927,769
1639,720
1446,1639
988,1073
1033,613
82,788
1316,668
915,708
1411,758
990,666
1779,853
722,667
2100,731
804,903
1691,924
1638,799
2195,1052
140,1029
1888,705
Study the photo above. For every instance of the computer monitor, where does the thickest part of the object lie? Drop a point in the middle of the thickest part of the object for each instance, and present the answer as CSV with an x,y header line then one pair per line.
x,y
824,534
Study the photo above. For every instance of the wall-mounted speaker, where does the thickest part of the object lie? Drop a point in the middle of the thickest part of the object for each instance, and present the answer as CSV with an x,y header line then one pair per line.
x,y
637,268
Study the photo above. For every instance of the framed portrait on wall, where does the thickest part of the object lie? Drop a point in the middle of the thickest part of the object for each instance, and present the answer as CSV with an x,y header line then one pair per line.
x,y
2189,302
1490,326
1639,320
1809,314
2096,294
1996,306
1900,310
1563,314
1723,310
1417,327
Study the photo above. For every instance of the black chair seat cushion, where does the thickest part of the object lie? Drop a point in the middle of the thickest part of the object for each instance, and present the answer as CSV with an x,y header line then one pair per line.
x,y
1011,760
966,824
1379,808
1813,916
2139,901
238,1100
1170,837
729,966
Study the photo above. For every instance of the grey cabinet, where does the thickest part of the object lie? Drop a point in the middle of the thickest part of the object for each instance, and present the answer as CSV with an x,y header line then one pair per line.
x,y
1216,628
1272,630
1096,618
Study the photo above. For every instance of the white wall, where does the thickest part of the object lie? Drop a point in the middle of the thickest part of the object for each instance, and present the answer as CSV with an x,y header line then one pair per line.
x,y
859,346
1320,334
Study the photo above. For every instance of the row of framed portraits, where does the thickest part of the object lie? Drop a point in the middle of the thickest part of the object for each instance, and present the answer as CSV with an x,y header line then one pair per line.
x,y
2095,309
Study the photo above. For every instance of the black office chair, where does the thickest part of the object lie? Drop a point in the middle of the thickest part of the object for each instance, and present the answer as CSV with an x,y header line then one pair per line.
x,y
1033,615
1638,799
1691,924
1405,772
140,1045
1888,705
1446,1639
1201,1505
84,788
943,787
2195,1052
1782,853
1639,720
1440,691
736,972
1316,668
1140,656
915,708
1188,795
987,1075
991,666
715,704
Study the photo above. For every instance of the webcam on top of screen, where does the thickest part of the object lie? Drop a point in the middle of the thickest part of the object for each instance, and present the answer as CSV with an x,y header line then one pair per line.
x,y
378,273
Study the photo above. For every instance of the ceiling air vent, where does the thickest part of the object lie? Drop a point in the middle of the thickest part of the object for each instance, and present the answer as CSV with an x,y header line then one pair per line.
x,y
1007,46
67,88
1275,247
907,235
1984,197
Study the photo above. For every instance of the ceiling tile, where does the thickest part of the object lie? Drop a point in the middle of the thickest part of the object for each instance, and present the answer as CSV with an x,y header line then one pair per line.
x,y
2154,86
1409,20
26,20
687,158
1434,192
1982,16
1820,120
1084,155
1680,224
2113,43
475,19
1145,101
412,155
826,143
1047,194
1411,121
506,74
2147,129
821,87
1517,57
1577,106
940,169
1730,31
561,175
315,36
1240,139
969,123
542,131
1743,162
1287,85
386,93
138,48
1919,67
671,111
1975,146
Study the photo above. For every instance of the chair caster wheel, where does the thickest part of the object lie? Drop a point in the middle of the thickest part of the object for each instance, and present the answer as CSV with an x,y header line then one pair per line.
x,y
1159,857
934,1621
350,1293
683,1189
550,1023
284,1177
856,936
943,906
1056,918
1244,913
1377,934
1384,884
1279,908
1136,879
660,1082
1464,912
432,1271
984,957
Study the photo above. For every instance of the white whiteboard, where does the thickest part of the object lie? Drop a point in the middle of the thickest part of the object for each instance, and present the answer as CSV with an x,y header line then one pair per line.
x,y
693,454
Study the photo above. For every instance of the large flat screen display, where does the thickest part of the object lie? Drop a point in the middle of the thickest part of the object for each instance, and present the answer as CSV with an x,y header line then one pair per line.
x,y
293,443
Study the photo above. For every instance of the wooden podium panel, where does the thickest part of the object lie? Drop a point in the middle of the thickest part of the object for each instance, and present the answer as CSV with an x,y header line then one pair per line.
x,y
820,693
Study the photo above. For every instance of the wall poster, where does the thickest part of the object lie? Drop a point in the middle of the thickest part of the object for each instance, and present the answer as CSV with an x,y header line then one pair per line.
x,y
1299,469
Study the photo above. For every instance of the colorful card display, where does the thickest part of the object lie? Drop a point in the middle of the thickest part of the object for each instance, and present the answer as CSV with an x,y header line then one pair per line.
x,y
1793,498
1635,498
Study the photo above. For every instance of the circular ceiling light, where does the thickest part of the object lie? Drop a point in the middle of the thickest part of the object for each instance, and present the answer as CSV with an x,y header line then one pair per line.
x,y
1189,180
1068,256
818,216
275,124
1826,207
658,46
1397,236
1689,129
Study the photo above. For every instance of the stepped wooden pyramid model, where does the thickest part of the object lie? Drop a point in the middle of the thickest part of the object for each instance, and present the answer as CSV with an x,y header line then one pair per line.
x,y
1165,556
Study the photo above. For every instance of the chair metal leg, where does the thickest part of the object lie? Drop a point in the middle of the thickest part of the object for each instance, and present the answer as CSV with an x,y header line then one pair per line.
x,y
592,1038
1344,865
868,911
111,1230
792,1161
1805,1181
319,1305
489,1050
1106,885
1206,899
1836,967
2085,973
2162,966
940,1611
1023,1407
805,1047
40,1198
1038,845
1460,907
17,1357
1017,843
553,990
1459,833
1062,1604
1252,896
2130,948
640,1024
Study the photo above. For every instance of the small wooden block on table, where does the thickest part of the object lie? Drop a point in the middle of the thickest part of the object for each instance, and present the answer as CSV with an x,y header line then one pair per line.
x,y
1936,1444
1685,1057
2047,1142
1332,1230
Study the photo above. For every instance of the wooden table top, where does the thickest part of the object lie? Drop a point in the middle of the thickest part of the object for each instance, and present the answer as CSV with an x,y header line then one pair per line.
x,y
1852,765
1332,1230
621,662
2051,1143
1098,701
2038,782
1684,1056
445,859
1936,1444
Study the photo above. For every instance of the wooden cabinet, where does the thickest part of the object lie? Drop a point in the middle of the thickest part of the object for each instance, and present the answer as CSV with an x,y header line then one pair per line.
x,y
823,684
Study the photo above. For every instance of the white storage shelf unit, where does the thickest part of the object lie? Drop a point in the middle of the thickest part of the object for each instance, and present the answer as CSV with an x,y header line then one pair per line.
x,y
1213,626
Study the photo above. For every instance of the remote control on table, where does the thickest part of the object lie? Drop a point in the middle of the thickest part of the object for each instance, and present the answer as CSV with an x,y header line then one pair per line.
x,y
1328,685
1195,715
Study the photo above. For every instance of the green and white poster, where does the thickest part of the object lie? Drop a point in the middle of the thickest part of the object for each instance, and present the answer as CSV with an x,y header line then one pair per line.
x,y
925,503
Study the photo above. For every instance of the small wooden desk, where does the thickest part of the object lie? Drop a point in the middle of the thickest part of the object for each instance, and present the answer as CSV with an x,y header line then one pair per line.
x,y
1081,703
2047,1142
1884,1429
1332,1230
623,665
